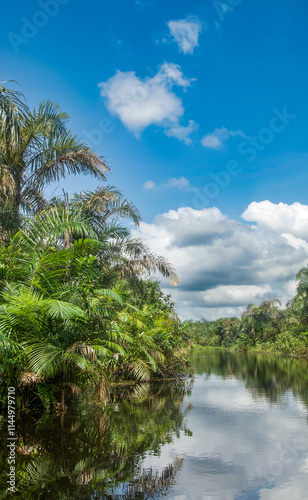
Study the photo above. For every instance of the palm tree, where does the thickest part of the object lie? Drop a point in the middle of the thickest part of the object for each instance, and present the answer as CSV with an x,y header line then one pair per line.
x,y
96,215
36,149
60,305
105,205
63,317
299,303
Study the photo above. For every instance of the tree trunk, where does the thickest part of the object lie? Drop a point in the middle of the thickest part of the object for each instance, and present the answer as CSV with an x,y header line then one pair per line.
x,y
67,240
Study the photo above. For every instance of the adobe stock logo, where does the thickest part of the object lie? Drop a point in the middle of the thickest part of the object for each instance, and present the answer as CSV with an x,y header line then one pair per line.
x,y
95,136
250,147
265,136
40,19
219,182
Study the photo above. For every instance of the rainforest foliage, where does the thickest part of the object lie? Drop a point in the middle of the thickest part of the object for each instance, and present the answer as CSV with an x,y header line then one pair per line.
x,y
267,326
78,309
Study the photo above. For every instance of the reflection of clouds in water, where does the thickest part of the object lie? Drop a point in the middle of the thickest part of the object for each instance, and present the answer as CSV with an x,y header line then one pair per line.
x,y
242,447
235,400
293,404
295,489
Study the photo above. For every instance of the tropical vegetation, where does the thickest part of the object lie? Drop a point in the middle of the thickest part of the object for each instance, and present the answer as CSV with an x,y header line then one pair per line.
x,y
266,326
78,306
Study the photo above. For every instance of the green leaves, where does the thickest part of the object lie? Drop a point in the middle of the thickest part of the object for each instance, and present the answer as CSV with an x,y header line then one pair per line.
x,y
12,113
48,360
36,148
61,155
65,307
56,309
73,308
8,345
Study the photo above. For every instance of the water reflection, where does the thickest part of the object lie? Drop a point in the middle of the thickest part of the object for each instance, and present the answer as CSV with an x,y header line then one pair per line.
x,y
147,483
249,430
264,375
89,454
239,433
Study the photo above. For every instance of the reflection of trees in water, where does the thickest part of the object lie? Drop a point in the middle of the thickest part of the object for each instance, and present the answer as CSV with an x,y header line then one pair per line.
x,y
89,452
149,483
264,375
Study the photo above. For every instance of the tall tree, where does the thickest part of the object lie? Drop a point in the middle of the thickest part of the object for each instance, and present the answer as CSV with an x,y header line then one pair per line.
x,y
36,149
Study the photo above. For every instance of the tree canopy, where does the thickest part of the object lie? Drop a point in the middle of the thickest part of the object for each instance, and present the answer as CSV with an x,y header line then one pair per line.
x,y
78,306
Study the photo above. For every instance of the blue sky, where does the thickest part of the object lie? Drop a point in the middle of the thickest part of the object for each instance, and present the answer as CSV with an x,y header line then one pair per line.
x,y
171,93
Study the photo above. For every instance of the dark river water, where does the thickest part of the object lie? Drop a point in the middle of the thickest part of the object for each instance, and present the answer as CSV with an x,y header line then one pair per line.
x,y
237,430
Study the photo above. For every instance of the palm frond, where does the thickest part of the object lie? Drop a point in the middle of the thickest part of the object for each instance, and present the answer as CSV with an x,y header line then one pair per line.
x,y
109,294
106,203
12,112
140,370
8,345
67,155
57,309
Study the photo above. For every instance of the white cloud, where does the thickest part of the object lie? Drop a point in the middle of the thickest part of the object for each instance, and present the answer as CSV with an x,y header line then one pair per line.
x,y
211,141
290,287
233,295
140,103
183,133
281,218
215,140
149,185
173,182
295,242
288,291
224,264
181,183
171,74
186,33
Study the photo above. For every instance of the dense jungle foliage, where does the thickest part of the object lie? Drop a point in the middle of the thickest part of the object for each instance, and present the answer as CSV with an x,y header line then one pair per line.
x,y
267,326
78,309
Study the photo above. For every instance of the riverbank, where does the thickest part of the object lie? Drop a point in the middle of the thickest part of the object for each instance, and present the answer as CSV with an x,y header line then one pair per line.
x,y
253,350
264,328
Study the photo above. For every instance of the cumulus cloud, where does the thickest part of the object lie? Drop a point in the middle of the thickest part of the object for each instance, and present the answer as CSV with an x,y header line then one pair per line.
x,y
139,103
185,33
224,264
224,296
281,218
216,139
295,242
183,133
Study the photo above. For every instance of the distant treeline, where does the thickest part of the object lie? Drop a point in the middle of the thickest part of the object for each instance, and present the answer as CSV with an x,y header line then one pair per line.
x,y
267,326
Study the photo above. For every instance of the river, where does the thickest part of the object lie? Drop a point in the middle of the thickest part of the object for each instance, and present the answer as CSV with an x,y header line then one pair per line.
x,y
236,431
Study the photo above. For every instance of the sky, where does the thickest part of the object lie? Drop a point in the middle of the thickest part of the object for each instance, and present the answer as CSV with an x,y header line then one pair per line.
x,y
200,109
